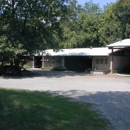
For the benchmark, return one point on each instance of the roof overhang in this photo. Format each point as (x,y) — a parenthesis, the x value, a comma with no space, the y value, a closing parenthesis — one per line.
(100,51)
(120,44)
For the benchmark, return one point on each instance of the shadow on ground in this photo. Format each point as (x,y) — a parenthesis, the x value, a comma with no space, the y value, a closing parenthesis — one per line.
(47,74)
(115,106)
(25,110)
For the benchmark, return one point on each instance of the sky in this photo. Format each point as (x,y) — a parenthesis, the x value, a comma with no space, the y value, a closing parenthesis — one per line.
(100,2)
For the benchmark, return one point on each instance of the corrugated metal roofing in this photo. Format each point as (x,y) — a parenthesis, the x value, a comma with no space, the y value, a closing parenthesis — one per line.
(101,51)
(121,44)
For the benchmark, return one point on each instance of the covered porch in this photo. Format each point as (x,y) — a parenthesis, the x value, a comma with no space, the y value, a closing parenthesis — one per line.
(121,59)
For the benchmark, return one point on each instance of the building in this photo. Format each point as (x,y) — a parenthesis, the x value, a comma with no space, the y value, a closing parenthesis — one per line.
(114,57)
(121,60)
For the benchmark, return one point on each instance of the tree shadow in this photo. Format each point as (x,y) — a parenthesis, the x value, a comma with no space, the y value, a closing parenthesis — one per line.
(57,74)
(115,106)
(47,74)
(26,110)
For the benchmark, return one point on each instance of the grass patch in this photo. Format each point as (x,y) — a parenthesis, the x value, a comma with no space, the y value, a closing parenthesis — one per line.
(25,110)
(27,66)
(47,68)
(54,68)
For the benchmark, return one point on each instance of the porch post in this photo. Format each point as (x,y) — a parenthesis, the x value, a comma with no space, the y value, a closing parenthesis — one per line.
(63,61)
(112,62)
(42,61)
(92,64)
(33,62)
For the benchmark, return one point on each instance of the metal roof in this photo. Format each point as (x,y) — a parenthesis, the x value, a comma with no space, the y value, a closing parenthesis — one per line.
(120,44)
(100,51)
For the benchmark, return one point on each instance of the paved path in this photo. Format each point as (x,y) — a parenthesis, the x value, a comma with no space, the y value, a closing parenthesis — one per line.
(110,93)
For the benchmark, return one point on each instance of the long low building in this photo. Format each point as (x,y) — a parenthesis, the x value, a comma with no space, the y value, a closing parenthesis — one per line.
(102,59)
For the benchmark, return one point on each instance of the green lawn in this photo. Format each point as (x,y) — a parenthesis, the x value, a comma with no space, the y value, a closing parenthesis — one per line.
(24,110)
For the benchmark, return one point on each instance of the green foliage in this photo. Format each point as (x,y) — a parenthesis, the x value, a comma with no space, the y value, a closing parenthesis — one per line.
(122,12)
(82,32)
(28,25)
(116,24)
(96,27)
(109,31)
(92,8)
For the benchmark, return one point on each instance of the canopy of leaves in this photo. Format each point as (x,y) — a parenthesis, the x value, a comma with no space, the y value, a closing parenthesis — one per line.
(27,25)
(83,31)
(94,26)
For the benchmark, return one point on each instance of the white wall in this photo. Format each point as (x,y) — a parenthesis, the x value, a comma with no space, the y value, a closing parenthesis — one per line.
(50,61)
(101,63)
(31,62)
(120,62)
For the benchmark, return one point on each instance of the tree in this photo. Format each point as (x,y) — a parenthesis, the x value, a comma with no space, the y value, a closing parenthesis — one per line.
(83,31)
(27,25)
(109,30)
(122,12)
(116,22)
(92,8)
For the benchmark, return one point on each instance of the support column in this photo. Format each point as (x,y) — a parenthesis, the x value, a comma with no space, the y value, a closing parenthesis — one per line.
(63,61)
(33,61)
(42,61)
(92,63)
(112,62)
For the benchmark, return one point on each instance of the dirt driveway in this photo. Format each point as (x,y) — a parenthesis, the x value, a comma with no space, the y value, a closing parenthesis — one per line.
(109,93)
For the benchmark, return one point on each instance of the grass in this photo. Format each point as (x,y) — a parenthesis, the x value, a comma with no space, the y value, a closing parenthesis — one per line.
(53,68)
(27,66)
(46,68)
(25,110)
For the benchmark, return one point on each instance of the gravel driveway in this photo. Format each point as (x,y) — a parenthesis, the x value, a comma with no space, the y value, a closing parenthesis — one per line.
(109,93)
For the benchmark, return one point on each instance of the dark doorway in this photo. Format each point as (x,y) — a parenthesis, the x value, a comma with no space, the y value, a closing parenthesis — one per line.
(38,62)
(78,63)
